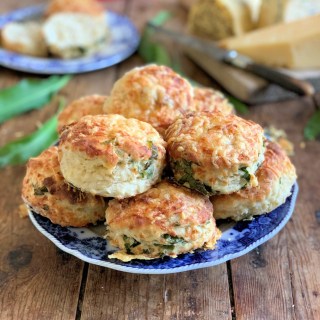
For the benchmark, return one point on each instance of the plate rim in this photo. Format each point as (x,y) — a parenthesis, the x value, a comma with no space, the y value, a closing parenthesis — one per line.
(190,267)
(96,63)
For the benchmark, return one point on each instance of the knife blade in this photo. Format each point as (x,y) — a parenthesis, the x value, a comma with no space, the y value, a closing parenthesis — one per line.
(233,58)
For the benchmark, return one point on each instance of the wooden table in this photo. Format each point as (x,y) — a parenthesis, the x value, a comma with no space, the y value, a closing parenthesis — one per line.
(278,280)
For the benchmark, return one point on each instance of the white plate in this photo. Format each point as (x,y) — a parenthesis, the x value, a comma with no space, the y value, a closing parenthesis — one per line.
(123,42)
(237,239)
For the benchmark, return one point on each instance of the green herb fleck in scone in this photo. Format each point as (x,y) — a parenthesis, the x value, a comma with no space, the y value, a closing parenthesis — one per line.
(46,191)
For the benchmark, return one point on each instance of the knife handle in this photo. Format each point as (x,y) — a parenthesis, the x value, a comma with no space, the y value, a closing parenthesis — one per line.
(298,86)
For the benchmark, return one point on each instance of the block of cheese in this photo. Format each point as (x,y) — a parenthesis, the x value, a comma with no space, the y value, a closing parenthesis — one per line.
(276,11)
(294,45)
(219,19)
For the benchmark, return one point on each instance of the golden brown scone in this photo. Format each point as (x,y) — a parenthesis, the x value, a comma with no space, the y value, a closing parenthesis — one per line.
(276,177)
(88,105)
(111,156)
(46,191)
(154,94)
(207,99)
(214,153)
(91,7)
(167,220)
(25,38)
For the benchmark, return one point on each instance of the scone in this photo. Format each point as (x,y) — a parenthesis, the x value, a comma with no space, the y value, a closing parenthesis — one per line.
(25,38)
(46,191)
(210,100)
(154,94)
(276,177)
(88,105)
(90,7)
(214,153)
(71,35)
(167,220)
(111,156)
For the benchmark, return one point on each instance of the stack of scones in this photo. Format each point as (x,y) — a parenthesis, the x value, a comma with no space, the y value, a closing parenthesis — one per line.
(159,161)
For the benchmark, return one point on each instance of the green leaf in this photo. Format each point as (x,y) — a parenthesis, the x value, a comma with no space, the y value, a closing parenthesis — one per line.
(312,128)
(238,105)
(29,94)
(173,239)
(151,51)
(20,150)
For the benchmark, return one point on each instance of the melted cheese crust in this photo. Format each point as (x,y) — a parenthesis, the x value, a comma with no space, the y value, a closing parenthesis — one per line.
(154,94)
(207,99)
(276,177)
(88,105)
(46,191)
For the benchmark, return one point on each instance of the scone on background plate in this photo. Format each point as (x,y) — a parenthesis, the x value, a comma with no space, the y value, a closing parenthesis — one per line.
(276,177)
(46,191)
(214,153)
(210,100)
(111,156)
(90,7)
(71,35)
(154,94)
(88,105)
(25,38)
(167,220)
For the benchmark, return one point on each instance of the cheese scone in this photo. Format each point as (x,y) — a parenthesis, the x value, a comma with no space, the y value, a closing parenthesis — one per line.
(111,156)
(167,220)
(276,177)
(215,153)
(25,38)
(45,190)
(90,7)
(88,105)
(72,35)
(210,100)
(154,94)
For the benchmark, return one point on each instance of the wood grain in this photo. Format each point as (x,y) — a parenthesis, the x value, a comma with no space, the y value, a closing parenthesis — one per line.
(199,294)
(280,279)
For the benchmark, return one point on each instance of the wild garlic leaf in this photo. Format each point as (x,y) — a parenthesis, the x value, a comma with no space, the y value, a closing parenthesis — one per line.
(238,105)
(312,128)
(29,94)
(20,150)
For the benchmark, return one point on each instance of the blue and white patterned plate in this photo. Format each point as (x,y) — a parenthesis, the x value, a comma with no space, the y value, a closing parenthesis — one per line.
(237,239)
(123,42)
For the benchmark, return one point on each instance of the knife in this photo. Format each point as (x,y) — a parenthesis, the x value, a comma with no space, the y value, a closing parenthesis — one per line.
(239,61)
